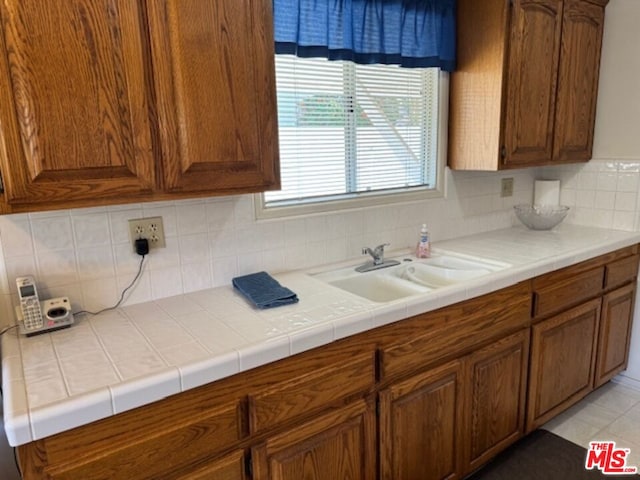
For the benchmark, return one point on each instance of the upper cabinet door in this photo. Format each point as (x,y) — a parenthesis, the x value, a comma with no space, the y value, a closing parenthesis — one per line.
(578,80)
(73,108)
(531,88)
(215,85)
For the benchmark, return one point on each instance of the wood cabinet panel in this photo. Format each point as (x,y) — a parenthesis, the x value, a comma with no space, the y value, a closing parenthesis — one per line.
(536,26)
(339,444)
(216,94)
(525,90)
(578,74)
(554,297)
(416,343)
(305,393)
(231,467)
(74,110)
(615,333)
(562,361)
(621,271)
(421,426)
(497,380)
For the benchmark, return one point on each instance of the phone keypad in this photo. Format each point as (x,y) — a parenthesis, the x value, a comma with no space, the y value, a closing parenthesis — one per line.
(32,314)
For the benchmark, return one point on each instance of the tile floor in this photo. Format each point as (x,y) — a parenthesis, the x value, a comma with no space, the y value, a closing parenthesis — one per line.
(610,413)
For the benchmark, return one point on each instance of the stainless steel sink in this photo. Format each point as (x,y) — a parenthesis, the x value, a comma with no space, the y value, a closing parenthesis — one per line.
(414,277)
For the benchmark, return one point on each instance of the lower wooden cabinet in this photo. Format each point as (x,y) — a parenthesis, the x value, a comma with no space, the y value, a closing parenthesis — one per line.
(230,467)
(496,398)
(562,361)
(421,427)
(615,333)
(339,444)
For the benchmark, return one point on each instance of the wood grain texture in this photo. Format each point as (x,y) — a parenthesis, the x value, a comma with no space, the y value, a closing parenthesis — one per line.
(215,94)
(230,467)
(74,109)
(615,333)
(432,337)
(621,271)
(310,391)
(421,425)
(554,297)
(525,90)
(147,449)
(578,74)
(496,398)
(562,361)
(339,444)
(476,86)
(532,74)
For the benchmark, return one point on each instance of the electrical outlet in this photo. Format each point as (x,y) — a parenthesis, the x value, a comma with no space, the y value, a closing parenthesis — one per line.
(507,187)
(150,228)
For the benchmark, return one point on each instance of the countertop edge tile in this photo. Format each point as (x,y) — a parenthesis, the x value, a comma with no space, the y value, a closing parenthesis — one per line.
(67,414)
(135,392)
(209,370)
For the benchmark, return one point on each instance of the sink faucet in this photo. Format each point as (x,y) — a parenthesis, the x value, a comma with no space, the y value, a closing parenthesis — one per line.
(378,259)
(377,253)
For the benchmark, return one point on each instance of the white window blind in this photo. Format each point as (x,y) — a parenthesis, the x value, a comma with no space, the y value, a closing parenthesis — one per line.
(348,129)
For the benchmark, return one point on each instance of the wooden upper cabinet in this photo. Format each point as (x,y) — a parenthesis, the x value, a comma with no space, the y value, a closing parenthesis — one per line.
(524,92)
(73,101)
(215,83)
(115,101)
(578,80)
(534,40)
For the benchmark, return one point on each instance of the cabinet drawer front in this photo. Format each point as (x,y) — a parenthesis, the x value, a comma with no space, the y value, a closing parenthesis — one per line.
(621,271)
(455,330)
(148,456)
(305,393)
(558,296)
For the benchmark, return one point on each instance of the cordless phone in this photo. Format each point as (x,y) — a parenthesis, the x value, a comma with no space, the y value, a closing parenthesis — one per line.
(29,303)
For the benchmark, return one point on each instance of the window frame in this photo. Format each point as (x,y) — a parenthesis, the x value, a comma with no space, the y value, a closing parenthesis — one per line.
(376,198)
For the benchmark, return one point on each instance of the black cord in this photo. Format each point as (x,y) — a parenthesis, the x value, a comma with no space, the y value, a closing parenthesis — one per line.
(6,329)
(121,296)
(15,459)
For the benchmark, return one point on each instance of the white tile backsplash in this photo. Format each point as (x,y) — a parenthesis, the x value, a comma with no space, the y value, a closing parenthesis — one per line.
(86,253)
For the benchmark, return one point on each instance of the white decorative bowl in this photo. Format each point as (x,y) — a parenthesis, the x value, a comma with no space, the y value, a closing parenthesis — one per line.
(541,217)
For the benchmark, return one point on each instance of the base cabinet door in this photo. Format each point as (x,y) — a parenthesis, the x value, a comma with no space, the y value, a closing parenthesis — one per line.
(336,445)
(615,333)
(562,361)
(497,379)
(230,467)
(420,426)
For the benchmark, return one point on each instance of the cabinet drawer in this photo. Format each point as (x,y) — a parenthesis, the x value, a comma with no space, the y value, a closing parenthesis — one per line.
(310,391)
(453,331)
(553,297)
(621,271)
(146,451)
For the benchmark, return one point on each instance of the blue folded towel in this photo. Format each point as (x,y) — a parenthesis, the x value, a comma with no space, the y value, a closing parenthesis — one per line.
(263,290)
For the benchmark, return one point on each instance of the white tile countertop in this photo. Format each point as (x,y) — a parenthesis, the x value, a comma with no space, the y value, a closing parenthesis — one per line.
(123,359)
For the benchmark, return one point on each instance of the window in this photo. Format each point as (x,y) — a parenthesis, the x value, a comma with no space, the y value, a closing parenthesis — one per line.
(349,132)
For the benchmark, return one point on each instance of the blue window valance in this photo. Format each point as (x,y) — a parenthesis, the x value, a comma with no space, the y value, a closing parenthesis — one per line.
(410,33)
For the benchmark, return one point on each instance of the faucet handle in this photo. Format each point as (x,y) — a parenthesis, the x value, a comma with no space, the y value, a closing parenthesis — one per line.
(380,248)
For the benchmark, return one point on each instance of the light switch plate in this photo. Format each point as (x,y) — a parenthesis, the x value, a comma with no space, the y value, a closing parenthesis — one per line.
(506,189)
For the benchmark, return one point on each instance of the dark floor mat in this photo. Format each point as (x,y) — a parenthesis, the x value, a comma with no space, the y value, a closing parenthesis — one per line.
(541,456)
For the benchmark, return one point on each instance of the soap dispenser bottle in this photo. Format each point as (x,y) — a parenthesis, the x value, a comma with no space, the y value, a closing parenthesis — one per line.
(423,249)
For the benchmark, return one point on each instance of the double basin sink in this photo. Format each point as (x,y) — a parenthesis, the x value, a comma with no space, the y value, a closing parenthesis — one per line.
(411,277)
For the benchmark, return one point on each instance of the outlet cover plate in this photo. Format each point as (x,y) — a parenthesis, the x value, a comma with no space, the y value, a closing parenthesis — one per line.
(506,189)
(150,228)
